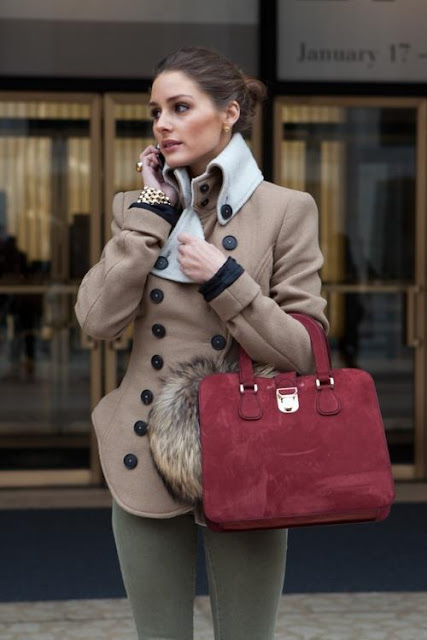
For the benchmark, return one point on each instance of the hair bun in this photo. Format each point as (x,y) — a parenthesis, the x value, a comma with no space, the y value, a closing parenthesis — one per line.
(256,90)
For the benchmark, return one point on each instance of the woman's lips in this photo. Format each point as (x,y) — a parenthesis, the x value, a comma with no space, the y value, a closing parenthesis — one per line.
(170,146)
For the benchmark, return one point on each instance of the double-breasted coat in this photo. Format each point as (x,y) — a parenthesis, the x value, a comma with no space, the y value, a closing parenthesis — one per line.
(274,237)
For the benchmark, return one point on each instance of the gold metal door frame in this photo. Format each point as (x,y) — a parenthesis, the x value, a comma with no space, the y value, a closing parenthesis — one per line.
(416,293)
(92,475)
(110,102)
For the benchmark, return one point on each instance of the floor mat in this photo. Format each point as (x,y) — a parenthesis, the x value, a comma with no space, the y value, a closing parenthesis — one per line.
(65,554)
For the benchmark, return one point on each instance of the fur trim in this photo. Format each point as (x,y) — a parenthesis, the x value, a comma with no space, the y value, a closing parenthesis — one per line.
(173,426)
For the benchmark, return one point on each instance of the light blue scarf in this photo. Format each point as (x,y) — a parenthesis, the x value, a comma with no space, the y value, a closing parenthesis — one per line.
(240,177)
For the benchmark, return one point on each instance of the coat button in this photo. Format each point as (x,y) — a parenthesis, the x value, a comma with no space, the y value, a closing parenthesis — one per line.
(204,202)
(157,362)
(130,461)
(218,342)
(147,396)
(140,428)
(204,188)
(156,295)
(158,330)
(226,211)
(229,243)
(161,263)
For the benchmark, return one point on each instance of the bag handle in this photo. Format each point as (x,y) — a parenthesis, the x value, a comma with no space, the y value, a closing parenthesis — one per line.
(320,347)
(321,353)
(327,403)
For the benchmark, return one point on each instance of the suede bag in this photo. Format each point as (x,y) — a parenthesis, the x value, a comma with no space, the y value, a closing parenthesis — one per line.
(293,450)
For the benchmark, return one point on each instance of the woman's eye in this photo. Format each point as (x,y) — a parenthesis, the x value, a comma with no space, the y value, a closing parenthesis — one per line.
(180,107)
(154,114)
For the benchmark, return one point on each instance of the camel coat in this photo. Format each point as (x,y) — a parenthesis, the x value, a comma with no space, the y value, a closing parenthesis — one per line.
(276,242)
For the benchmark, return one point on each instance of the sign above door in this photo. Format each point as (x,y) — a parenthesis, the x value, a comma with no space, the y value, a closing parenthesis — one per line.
(352,40)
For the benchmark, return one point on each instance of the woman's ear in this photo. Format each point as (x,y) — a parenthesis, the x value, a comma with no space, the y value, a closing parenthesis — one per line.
(232,113)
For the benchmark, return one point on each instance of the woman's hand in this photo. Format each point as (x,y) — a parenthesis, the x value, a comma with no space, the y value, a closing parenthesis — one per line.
(198,259)
(152,175)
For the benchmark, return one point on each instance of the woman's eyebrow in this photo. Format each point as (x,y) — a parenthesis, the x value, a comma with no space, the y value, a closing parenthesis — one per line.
(172,98)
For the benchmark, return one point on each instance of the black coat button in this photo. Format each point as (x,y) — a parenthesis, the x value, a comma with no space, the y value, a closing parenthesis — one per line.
(226,211)
(157,362)
(161,263)
(140,428)
(229,242)
(158,330)
(130,461)
(218,342)
(204,188)
(156,295)
(147,396)
(204,202)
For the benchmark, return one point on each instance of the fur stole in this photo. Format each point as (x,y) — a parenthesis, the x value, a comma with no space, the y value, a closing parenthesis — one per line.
(173,426)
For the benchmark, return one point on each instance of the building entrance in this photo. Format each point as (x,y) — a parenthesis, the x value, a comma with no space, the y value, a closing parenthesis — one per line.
(62,158)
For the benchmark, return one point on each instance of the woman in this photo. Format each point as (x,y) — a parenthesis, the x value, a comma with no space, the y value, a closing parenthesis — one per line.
(209,255)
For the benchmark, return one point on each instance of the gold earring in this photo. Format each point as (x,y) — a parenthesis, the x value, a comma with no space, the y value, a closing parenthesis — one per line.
(226,128)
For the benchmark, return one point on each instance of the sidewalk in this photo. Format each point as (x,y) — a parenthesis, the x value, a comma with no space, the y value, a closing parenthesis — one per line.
(354,616)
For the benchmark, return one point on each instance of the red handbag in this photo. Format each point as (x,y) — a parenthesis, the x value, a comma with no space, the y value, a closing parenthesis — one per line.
(293,450)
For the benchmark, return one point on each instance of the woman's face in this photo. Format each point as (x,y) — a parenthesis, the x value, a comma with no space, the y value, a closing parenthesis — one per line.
(186,122)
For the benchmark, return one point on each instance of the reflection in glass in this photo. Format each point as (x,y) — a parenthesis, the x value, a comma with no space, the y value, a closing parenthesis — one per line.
(371,337)
(359,163)
(133,133)
(45,208)
(45,382)
(45,184)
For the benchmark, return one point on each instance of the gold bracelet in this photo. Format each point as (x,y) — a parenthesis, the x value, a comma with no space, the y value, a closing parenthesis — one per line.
(153,196)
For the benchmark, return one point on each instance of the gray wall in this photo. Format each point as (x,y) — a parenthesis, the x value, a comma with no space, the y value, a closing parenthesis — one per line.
(119,39)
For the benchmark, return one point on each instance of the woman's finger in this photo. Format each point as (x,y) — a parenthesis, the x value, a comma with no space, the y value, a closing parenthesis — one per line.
(151,149)
(185,238)
(149,157)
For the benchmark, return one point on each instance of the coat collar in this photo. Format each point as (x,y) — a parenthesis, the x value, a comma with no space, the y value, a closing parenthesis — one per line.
(240,177)
(234,174)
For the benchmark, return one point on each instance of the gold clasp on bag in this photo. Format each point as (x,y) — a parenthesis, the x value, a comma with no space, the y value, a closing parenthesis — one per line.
(287,399)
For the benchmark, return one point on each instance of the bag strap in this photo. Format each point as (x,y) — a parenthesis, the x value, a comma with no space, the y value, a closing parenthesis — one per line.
(246,369)
(319,345)
(249,405)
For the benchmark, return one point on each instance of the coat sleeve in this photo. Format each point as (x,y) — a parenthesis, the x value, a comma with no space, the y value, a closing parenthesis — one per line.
(260,323)
(110,293)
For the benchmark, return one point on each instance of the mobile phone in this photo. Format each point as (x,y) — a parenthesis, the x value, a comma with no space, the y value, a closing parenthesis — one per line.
(161,157)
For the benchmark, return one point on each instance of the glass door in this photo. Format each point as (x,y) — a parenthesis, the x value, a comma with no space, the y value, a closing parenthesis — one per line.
(49,236)
(364,162)
(51,232)
(127,131)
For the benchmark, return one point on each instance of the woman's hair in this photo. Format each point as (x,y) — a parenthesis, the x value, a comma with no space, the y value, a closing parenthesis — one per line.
(220,78)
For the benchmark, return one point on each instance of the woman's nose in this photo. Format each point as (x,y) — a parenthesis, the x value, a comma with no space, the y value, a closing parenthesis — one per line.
(163,123)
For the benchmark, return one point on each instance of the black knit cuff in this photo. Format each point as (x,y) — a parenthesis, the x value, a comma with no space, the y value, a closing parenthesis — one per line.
(165,211)
(226,275)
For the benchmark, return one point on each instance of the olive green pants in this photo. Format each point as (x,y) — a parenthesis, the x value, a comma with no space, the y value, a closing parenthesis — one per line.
(158,563)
